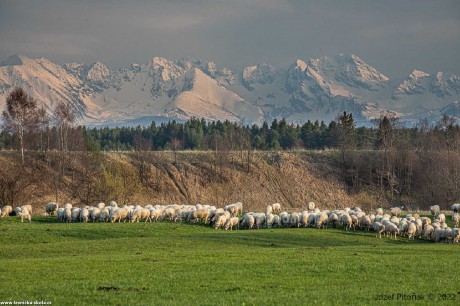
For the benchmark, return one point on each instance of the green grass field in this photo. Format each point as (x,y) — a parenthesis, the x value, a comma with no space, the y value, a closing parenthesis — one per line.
(184,264)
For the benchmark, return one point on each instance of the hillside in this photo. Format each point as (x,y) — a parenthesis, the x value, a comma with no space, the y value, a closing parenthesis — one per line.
(197,177)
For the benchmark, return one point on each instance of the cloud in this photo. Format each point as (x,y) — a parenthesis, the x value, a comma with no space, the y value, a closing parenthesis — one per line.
(235,33)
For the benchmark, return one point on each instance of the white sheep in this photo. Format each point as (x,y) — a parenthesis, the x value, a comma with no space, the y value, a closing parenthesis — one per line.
(333,219)
(294,220)
(75,213)
(232,209)
(247,221)
(310,206)
(411,231)
(220,222)
(95,214)
(27,207)
(366,223)
(67,215)
(395,211)
(435,210)
(441,218)
(51,208)
(67,205)
(270,219)
(321,220)
(284,219)
(379,228)
(25,215)
(303,218)
(455,218)
(455,207)
(346,221)
(84,215)
(6,210)
(232,222)
(428,232)
(268,209)
(379,211)
(276,208)
(391,229)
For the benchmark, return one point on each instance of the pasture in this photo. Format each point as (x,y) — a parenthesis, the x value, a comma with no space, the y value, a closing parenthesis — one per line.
(187,264)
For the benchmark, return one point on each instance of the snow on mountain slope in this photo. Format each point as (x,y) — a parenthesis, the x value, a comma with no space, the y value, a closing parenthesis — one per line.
(48,83)
(306,90)
(206,98)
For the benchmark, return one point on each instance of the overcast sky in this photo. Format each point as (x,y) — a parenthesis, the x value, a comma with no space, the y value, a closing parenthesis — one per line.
(394,36)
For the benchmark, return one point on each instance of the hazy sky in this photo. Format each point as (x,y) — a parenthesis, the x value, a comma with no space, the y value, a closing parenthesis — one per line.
(394,36)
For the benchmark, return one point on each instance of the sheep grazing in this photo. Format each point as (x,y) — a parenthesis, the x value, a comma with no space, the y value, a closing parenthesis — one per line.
(84,215)
(294,220)
(456,218)
(118,215)
(231,223)
(411,231)
(333,219)
(428,232)
(6,210)
(379,228)
(25,215)
(248,221)
(284,219)
(27,207)
(391,229)
(310,206)
(276,208)
(270,219)
(346,221)
(303,219)
(366,223)
(75,213)
(259,220)
(321,220)
(379,212)
(441,218)
(232,209)
(455,207)
(435,210)
(51,208)
(67,215)
(199,215)
(396,211)
(268,209)
(220,222)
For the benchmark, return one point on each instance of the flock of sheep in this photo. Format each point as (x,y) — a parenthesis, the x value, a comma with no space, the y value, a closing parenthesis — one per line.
(232,217)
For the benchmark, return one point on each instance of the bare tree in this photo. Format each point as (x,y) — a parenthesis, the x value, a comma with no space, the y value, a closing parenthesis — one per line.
(65,118)
(21,116)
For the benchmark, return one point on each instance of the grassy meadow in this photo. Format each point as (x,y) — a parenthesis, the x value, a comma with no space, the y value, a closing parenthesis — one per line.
(187,264)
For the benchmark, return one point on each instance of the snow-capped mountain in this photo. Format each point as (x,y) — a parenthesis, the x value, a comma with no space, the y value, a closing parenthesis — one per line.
(313,89)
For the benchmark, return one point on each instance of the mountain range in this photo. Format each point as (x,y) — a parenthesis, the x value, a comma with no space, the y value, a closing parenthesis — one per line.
(316,89)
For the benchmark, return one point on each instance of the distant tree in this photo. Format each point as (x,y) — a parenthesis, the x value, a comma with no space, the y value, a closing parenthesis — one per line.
(21,116)
(346,133)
